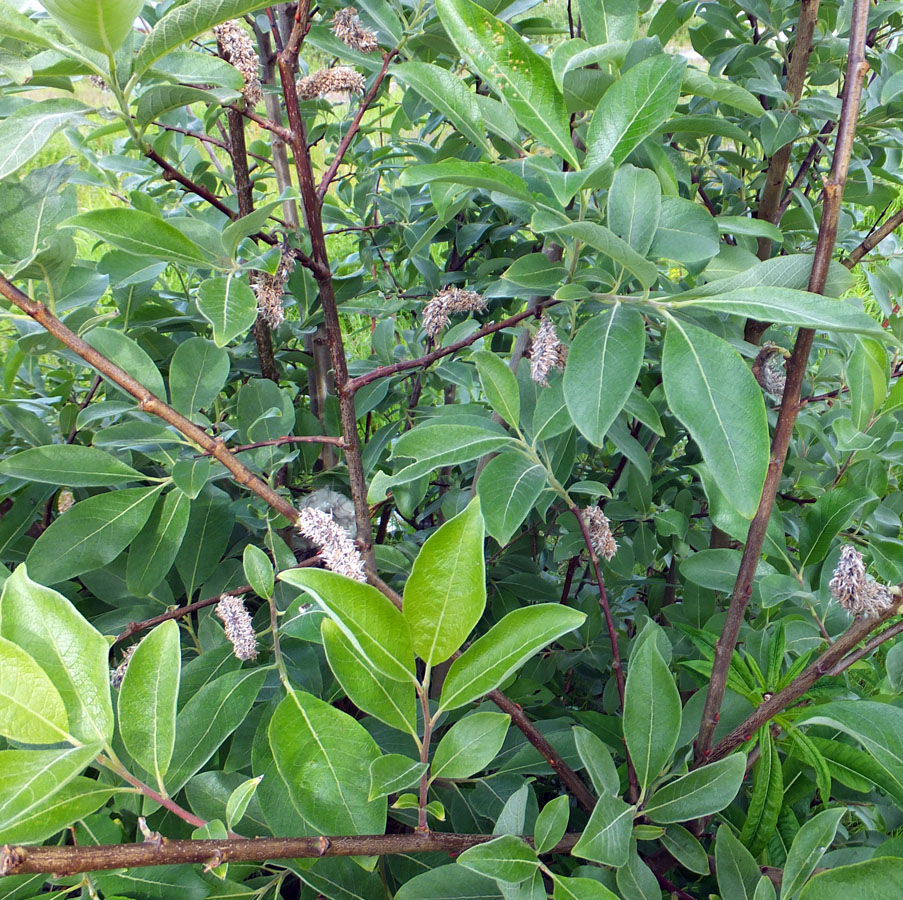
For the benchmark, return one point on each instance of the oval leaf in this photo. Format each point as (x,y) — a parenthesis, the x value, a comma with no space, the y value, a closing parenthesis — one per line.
(69,464)
(703,792)
(229,305)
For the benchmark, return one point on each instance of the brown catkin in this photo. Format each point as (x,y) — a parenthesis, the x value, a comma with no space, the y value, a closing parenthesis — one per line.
(239,51)
(338,82)
(600,535)
(854,590)
(346,26)
(449,300)
(546,352)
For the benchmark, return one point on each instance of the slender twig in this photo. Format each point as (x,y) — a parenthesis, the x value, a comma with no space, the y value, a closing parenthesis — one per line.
(69,860)
(353,129)
(290,439)
(824,665)
(815,151)
(280,131)
(95,384)
(874,238)
(796,369)
(207,139)
(867,649)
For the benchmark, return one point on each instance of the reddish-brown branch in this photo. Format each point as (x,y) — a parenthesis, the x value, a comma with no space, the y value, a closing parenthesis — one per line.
(824,665)
(290,439)
(815,151)
(65,860)
(280,131)
(796,369)
(353,129)
(867,649)
(355,384)
(873,239)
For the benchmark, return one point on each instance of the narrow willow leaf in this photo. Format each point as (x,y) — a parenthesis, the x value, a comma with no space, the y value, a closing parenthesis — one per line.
(606,837)
(469,745)
(67,647)
(495,51)
(828,516)
(602,368)
(91,534)
(508,487)
(652,712)
(737,870)
(808,847)
(686,849)
(486,176)
(767,796)
(551,823)
(148,699)
(715,396)
(325,757)
(445,595)
(229,305)
(596,757)
(700,793)
(633,108)
(239,800)
(69,464)
(259,571)
(499,385)
(500,652)
(154,550)
(163,97)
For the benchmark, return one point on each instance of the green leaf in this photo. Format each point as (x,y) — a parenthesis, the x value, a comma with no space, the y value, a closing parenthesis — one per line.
(31,708)
(701,84)
(154,550)
(613,20)
(69,464)
(506,858)
(153,883)
(229,305)
(499,385)
(635,880)
(451,882)
(635,206)
(324,756)
(129,356)
(91,534)
(197,373)
(609,244)
(767,796)
(737,870)
(187,21)
(445,594)
(825,518)
(469,745)
(633,108)
(602,368)
(25,132)
(447,93)
(686,232)
(20,27)
(808,847)
(161,98)
(485,176)
(102,25)
(652,712)
(239,800)
(394,773)
(500,652)
(700,793)
(717,569)
(508,487)
(551,823)
(686,849)
(210,524)
(208,718)
(785,306)
(577,53)
(581,889)
(259,571)
(866,375)
(606,837)
(883,876)
(498,54)
(390,701)
(366,616)
(715,396)
(67,647)
(596,757)
(148,699)
(140,233)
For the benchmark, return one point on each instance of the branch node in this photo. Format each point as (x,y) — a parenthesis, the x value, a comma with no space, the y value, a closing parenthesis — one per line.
(323,844)
(11,858)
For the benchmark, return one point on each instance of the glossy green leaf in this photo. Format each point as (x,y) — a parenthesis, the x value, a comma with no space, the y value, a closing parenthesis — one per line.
(829,515)
(652,712)
(701,84)
(551,823)
(208,718)
(148,698)
(197,373)
(377,630)
(161,98)
(635,880)
(602,368)
(577,888)
(393,773)
(239,800)
(447,93)
(129,356)
(324,756)
(102,25)
(154,550)
(25,132)
(445,594)
(606,837)
(613,20)
(485,176)
(229,305)
(686,232)
(506,858)
(508,487)
(469,745)
(259,571)
(715,396)
(69,464)
(635,206)
(633,108)
(700,793)
(596,757)
(808,847)
(767,796)
(449,882)
(499,385)
(686,849)
(210,524)
(91,534)
(498,54)
(490,659)
(883,876)
(67,647)
(140,233)
(737,870)
(31,708)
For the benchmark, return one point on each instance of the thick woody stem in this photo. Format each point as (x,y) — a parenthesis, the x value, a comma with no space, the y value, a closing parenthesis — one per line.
(68,860)
(796,369)
(824,665)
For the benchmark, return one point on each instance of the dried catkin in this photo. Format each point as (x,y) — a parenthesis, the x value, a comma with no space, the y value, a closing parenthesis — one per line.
(338,82)
(546,352)
(346,26)
(237,624)
(239,51)
(600,535)
(118,673)
(854,590)
(449,300)
(269,290)
(337,549)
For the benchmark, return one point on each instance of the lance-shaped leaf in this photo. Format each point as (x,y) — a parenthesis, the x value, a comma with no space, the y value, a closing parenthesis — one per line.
(155,548)
(469,745)
(498,54)
(703,792)
(808,847)
(69,464)
(714,394)
(486,176)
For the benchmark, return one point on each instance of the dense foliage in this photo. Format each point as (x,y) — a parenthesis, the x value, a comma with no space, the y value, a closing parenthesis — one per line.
(460,439)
